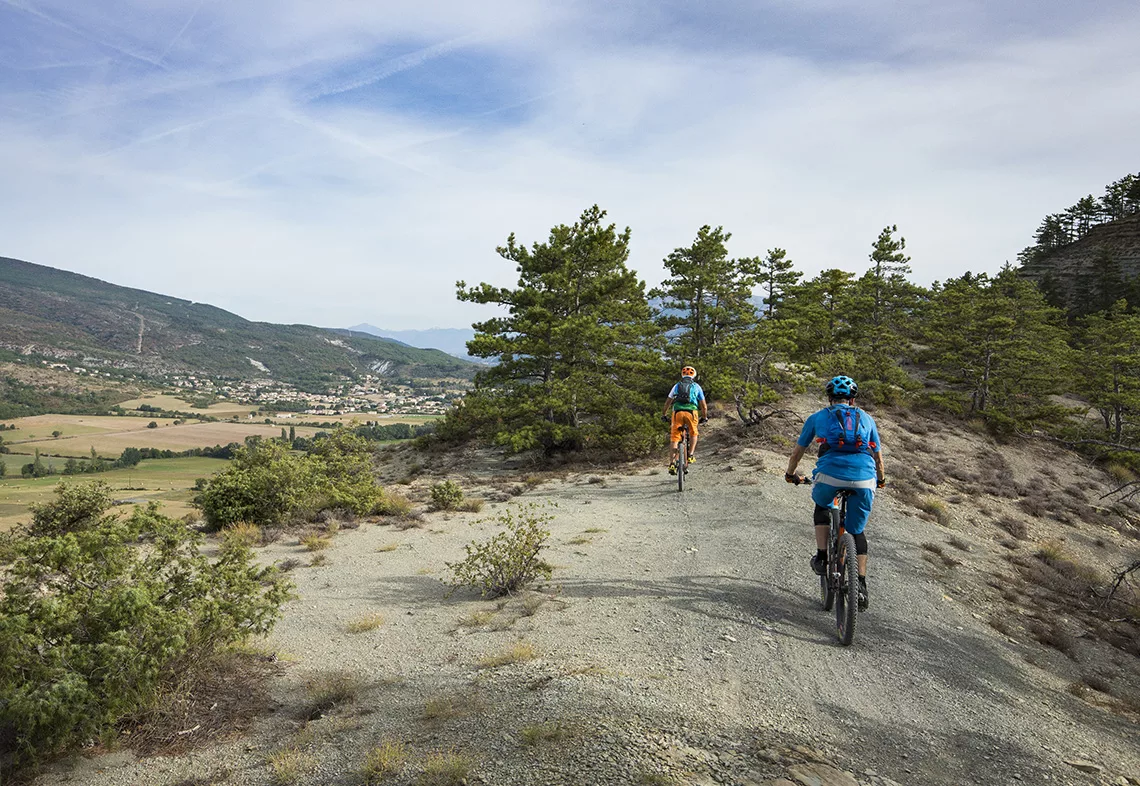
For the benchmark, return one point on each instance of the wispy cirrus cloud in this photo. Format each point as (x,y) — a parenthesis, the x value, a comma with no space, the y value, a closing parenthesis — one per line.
(348,162)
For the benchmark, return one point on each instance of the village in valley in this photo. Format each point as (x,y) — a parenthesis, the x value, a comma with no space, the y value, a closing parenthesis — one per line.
(367,395)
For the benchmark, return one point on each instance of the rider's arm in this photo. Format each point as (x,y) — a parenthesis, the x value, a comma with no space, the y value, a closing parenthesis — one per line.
(794,461)
(879,471)
(704,408)
(668,406)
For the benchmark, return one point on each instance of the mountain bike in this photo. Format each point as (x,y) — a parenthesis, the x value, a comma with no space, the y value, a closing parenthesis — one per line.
(839,586)
(683,457)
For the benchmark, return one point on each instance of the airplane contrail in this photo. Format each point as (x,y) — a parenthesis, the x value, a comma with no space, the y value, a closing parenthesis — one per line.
(384,70)
(178,35)
(22,5)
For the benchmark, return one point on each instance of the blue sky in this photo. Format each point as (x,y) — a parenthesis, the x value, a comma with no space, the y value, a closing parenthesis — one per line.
(343,162)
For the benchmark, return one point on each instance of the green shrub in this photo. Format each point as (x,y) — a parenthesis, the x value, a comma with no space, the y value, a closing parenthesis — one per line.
(77,506)
(267,484)
(509,561)
(91,624)
(446,495)
(262,484)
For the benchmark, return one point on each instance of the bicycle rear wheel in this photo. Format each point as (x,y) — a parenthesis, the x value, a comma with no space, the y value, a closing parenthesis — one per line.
(683,461)
(847,598)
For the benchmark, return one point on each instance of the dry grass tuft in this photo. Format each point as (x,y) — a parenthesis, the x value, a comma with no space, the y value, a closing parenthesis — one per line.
(537,734)
(383,762)
(518,653)
(289,765)
(958,543)
(471,505)
(579,541)
(324,692)
(318,560)
(936,508)
(366,623)
(449,768)
(1056,637)
(476,619)
(1016,527)
(393,504)
(443,708)
(242,532)
(388,547)
(315,541)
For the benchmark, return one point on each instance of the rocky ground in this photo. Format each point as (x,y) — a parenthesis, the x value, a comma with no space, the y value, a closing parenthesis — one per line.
(681,640)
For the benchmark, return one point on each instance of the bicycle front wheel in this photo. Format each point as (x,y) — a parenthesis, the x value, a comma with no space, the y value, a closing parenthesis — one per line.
(826,584)
(847,598)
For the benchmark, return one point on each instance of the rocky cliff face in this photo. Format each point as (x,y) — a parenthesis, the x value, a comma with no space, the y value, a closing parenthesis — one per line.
(1109,252)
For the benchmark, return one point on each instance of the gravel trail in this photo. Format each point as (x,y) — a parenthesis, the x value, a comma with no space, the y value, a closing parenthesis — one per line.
(684,640)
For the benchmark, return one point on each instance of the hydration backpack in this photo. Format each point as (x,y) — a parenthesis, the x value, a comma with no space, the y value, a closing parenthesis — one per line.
(685,391)
(845,431)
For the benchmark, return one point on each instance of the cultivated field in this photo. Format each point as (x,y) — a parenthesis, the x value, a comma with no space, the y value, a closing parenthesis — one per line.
(170,481)
(110,435)
(223,409)
(40,427)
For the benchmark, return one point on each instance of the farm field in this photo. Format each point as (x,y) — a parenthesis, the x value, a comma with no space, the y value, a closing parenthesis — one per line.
(222,409)
(169,481)
(110,444)
(40,427)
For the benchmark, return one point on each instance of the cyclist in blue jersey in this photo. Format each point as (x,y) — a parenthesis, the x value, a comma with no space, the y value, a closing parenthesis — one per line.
(850,457)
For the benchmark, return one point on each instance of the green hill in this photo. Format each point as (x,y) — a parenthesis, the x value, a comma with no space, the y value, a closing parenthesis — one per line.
(83,320)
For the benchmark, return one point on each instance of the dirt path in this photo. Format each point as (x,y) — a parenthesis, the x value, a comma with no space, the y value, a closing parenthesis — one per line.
(684,640)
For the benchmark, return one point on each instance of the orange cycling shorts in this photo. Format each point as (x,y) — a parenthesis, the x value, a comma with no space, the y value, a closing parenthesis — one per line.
(682,417)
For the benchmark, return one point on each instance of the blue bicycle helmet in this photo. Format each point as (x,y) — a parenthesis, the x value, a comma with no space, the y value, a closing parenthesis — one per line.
(842,387)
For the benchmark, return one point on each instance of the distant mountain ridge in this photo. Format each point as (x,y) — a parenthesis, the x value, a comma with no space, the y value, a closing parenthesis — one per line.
(56,313)
(453,341)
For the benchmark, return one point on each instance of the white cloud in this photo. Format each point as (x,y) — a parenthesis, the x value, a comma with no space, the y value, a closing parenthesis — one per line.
(219,180)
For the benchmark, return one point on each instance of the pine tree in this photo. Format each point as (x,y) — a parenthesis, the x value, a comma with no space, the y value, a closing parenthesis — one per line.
(882,305)
(1109,348)
(777,277)
(576,350)
(705,300)
(753,361)
(1000,346)
(820,308)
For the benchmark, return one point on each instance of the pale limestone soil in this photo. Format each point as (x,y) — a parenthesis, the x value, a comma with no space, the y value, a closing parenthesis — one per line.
(685,639)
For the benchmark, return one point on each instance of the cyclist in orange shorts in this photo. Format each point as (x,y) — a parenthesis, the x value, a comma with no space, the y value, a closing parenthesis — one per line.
(685,400)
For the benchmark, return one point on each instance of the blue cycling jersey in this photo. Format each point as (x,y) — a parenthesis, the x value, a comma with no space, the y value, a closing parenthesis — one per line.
(843,466)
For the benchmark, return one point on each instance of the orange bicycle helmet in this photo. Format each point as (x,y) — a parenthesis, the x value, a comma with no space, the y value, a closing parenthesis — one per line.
(688,371)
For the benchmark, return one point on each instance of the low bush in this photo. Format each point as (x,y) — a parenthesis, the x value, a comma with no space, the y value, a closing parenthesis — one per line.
(446,495)
(267,484)
(510,561)
(91,624)
(1016,527)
